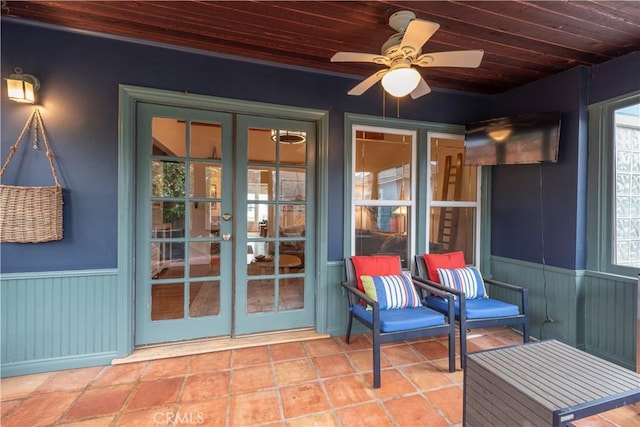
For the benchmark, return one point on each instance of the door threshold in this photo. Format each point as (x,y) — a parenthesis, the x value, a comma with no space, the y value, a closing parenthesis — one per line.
(209,345)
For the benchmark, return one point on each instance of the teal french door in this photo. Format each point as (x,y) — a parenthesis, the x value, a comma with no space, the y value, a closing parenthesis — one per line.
(274,287)
(222,224)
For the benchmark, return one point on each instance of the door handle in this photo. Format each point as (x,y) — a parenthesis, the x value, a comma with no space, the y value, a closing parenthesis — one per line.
(226,236)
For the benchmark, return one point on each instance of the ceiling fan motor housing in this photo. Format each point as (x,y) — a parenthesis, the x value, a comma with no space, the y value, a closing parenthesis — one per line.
(400,20)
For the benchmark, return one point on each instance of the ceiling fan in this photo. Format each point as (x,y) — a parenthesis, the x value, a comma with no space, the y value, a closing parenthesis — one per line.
(403,50)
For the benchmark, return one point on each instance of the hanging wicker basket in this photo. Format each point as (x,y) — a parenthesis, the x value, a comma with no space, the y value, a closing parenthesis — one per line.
(31,214)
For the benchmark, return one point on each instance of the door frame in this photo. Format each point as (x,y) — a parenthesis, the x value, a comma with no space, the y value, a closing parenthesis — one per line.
(129,96)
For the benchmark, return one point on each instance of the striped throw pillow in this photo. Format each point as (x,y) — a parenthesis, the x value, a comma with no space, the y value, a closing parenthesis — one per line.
(467,280)
(391,292)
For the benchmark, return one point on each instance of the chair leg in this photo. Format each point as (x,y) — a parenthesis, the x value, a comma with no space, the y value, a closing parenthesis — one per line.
(376,361)
(525,332)
(348,336)
(452,351)
(463,346)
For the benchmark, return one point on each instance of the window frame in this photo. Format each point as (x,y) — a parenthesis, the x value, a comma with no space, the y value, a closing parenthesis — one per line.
(601,186)
(409,203)
(476,204)
(420,182)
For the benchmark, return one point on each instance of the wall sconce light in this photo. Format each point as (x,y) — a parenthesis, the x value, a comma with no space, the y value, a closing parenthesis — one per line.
(401,81)
(22,87)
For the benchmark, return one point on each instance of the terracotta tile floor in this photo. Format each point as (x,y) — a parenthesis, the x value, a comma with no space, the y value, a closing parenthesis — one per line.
(313,383)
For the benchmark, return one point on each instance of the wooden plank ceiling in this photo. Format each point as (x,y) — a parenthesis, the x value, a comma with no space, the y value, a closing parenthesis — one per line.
(523,40)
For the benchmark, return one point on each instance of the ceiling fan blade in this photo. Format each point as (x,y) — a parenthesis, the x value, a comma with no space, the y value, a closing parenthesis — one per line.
(458,58)
(422,89)
(364,85)
(360,57)
(417,34)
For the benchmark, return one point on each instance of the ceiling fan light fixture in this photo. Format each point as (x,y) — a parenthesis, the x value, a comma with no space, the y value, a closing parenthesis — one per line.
(401,81)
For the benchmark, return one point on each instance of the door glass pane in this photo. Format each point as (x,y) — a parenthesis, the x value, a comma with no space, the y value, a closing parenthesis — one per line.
(292,220)
(261,148)
(260,182)
(200,259)
(168,178)
(167,301)
(167,258)
(204,219)
(167,219)
(291,294)
(204,299)
(169,137)
(260,296)
(205,180)
(292,185)
(450,179)
(293,146)
(261,264)
(453,229)
(206,140)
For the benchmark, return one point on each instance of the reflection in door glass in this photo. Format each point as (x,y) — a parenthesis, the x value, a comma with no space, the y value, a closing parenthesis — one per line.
(204,299)
(167,301)
(260,296)
(291,294)
(186,181)
(293,146)
(168,178)
(276,219)
(206,140)
(261,148)
(202,261)
(169,137)
(292,185)
(168,219)
(204,180)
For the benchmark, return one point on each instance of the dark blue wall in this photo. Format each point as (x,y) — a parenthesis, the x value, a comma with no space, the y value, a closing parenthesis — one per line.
(80,74)
(615,78)
(527,215)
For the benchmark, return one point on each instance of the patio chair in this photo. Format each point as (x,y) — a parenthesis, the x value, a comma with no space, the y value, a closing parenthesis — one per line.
(473,307)
(389,303)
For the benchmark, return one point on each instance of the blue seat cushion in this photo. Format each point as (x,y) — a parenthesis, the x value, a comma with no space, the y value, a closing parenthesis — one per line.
(478,308)
(402,318)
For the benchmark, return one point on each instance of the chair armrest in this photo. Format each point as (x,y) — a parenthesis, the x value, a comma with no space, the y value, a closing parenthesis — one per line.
(440,291)
(507,286)
(438,286)
(357,292)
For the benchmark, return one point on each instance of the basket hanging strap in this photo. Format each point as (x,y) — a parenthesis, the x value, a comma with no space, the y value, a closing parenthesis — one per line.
(35,116)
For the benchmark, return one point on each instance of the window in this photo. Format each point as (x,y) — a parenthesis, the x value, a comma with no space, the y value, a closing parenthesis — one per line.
(382,192)
(454,202)
(614,186)
(626,226)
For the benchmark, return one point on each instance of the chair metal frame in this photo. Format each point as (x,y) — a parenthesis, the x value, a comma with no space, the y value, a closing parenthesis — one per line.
(355,296)
(466,324)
